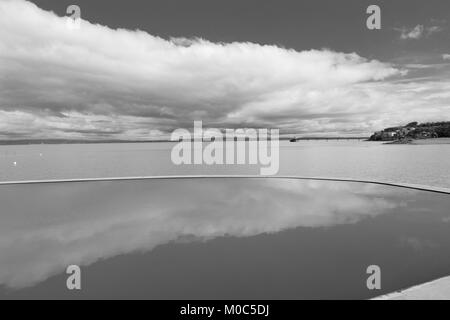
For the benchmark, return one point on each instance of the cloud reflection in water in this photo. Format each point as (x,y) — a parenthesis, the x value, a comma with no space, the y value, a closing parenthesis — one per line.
(46,227)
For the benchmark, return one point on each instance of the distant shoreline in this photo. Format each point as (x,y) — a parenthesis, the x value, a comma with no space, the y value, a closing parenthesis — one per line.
(430,141)
(48,142)
(63,141)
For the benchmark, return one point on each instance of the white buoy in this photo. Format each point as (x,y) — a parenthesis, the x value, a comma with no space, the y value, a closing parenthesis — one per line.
(15,163)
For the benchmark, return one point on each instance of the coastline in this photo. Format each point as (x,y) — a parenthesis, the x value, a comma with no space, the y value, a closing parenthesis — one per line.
(111,141)
(430,141)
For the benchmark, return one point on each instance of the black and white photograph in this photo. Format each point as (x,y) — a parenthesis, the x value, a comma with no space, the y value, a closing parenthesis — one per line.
(212,153)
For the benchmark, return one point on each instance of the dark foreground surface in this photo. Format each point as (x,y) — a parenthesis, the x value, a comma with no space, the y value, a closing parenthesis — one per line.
(219,239)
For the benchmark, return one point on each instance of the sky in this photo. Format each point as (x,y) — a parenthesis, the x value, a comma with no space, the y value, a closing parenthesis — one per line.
(138,70)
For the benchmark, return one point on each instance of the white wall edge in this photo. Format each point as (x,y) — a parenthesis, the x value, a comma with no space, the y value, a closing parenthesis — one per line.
(130,178)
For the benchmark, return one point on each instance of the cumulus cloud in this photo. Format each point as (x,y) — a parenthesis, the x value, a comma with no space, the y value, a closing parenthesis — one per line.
(418,31)
(94,225)
(415,33)
(96,82)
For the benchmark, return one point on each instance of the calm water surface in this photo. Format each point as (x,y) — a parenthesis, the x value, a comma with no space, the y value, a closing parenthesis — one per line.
(417,164)
(219,238)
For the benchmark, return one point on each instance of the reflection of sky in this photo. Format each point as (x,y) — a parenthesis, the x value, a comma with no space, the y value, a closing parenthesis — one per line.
(45,228)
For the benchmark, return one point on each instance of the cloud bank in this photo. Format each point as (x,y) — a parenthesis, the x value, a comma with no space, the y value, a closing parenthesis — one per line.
(97,82)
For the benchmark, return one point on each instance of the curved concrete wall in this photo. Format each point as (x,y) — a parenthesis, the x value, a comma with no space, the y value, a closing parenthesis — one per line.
(385,183)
